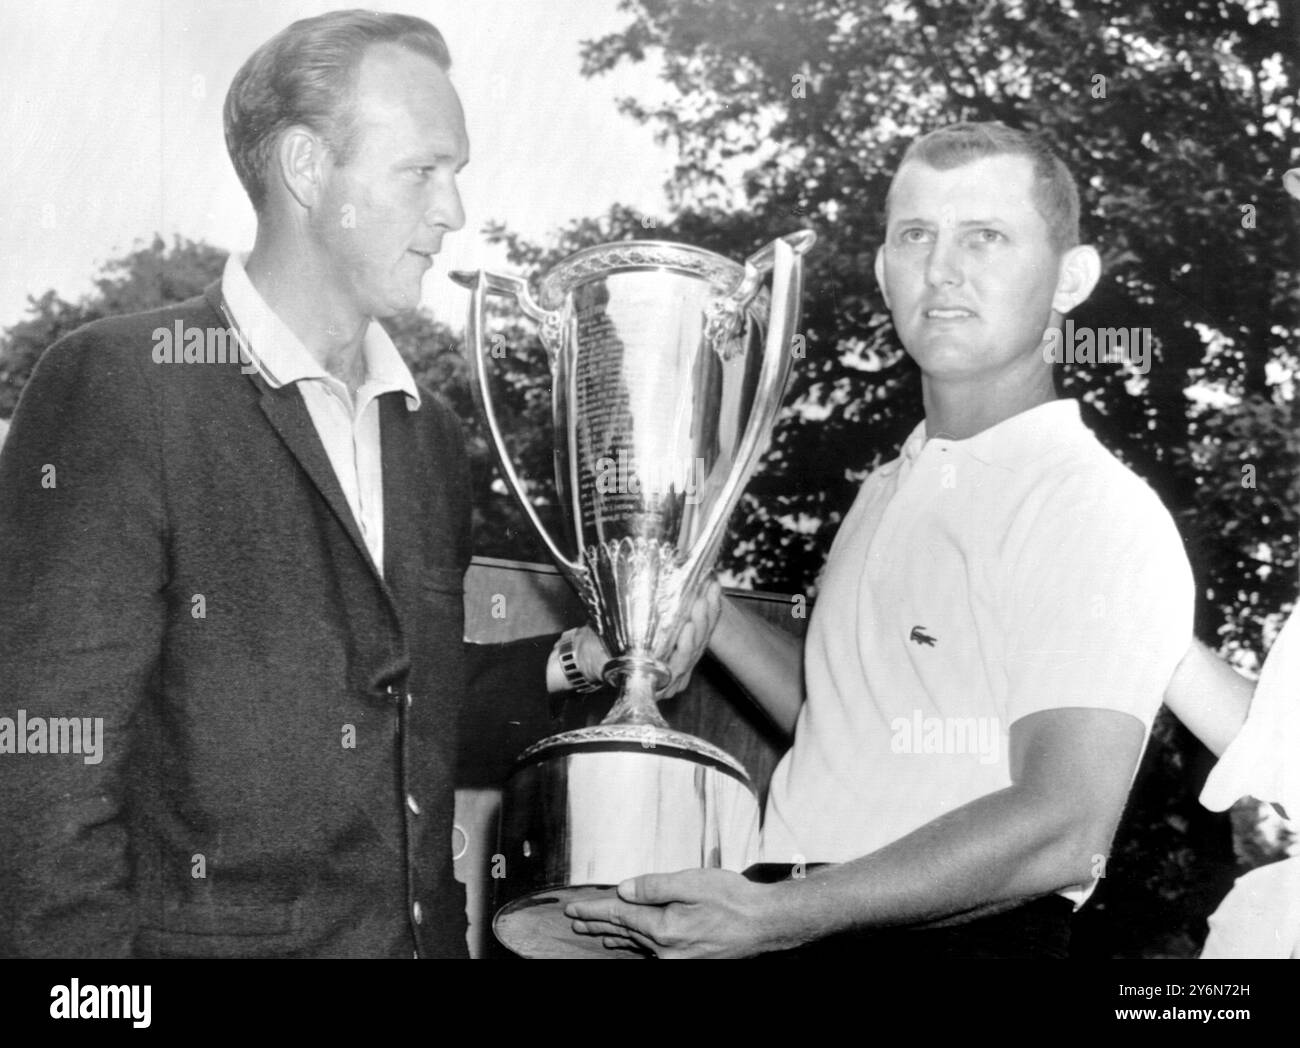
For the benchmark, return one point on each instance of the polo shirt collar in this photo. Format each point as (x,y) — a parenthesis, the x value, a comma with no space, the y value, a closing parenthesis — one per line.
(907,454)
(1024,437)
(280,356)
(1010,443)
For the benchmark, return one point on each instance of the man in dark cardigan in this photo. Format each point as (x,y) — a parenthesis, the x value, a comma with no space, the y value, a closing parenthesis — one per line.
(233,536)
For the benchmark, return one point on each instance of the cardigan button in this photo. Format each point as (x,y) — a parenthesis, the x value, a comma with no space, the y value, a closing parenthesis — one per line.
(417,912)
(410,803)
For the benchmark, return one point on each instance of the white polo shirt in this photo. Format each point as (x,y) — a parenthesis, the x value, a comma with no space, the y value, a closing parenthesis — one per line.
(973,582)
(348,429)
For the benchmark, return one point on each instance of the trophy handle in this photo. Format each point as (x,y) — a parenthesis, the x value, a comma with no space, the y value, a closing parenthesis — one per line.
(480,285)
(760,263)
(784,258)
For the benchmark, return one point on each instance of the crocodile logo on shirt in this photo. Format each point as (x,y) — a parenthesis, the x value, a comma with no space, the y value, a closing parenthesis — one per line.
(919,636)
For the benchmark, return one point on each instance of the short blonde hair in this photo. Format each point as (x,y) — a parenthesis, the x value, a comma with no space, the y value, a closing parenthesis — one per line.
(1055,195)
(305,74)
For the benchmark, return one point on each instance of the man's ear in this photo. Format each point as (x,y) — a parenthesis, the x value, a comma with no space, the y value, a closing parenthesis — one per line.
(880,274)
(300,158)
(1079,271)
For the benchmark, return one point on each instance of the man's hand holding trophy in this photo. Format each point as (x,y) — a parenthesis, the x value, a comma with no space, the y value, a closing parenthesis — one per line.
(592,657)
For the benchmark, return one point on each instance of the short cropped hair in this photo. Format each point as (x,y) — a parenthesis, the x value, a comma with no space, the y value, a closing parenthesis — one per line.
(306,74)
(1054,193)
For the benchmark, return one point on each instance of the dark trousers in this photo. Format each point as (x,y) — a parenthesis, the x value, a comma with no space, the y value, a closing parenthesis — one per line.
(1037,929)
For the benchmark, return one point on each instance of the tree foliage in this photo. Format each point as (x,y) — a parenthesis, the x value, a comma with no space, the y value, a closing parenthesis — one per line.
(147,277)
(1178,119)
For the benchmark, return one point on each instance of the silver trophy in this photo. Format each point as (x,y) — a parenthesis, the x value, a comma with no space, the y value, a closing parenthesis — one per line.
(669,365)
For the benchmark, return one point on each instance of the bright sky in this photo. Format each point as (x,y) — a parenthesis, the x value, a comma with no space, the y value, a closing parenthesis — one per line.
(110,115)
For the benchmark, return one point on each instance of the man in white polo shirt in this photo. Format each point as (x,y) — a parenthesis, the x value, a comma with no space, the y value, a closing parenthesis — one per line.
(998,617)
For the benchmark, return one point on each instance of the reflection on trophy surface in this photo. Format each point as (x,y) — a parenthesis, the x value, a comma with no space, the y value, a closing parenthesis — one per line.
(669,364)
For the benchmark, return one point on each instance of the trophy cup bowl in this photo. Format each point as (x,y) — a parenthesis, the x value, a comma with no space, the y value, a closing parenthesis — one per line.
(669,363)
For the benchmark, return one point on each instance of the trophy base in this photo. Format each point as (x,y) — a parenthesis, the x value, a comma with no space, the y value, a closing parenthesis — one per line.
(535,926)
(587,809)
(630,737)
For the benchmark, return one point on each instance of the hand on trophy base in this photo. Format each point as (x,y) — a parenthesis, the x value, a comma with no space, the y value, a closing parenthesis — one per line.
(699,913)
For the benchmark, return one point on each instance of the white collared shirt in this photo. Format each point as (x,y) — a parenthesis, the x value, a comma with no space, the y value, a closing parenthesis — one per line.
(348,429)
(973,582)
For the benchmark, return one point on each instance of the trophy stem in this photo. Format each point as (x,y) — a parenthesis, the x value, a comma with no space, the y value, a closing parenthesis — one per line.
(640,679)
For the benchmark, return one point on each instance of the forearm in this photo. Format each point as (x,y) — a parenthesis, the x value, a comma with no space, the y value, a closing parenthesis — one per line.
(1209,697)
(765,660)
(999,849)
